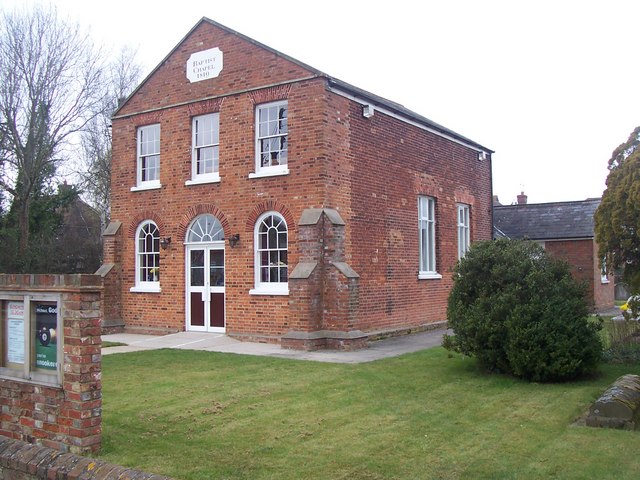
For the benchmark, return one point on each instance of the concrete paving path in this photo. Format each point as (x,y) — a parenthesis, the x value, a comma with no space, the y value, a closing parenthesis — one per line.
(216,342)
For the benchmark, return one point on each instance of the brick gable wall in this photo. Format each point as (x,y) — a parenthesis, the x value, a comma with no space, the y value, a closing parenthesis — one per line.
(246,67)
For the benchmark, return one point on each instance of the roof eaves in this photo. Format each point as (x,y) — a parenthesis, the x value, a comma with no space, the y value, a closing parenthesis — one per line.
(548,204)
(401,110)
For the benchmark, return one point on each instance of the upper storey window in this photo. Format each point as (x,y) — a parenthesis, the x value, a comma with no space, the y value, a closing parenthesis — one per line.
(464,236)
(148,175)
(272,132)
(205,162)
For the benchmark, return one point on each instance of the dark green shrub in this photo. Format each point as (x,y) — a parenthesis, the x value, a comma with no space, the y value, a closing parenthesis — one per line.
(520,311)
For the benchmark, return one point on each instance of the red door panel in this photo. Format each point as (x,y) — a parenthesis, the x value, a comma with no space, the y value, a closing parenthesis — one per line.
(217,309)
(197,309)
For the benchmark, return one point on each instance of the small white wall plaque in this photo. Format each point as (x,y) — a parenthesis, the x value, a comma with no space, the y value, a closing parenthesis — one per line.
(204,65)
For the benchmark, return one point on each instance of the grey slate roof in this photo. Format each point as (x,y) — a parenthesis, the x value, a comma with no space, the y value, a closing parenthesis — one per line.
(546,221)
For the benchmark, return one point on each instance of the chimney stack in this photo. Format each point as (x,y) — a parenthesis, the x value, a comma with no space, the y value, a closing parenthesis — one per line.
(522,199)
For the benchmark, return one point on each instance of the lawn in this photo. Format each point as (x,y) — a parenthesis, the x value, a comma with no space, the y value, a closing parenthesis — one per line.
(201,415)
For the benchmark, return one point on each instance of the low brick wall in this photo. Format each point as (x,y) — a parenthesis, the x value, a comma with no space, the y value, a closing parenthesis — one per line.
(24,461)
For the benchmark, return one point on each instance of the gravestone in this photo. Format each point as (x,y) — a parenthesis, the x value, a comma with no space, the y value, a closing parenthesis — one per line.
(618,406)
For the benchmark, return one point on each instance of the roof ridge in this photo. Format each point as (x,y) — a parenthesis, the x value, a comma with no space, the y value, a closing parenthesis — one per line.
(542,204)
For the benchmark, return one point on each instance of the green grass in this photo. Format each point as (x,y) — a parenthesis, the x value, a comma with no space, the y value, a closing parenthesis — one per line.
(201,415)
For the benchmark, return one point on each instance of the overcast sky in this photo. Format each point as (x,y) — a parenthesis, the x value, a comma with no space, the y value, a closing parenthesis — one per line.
(551,86)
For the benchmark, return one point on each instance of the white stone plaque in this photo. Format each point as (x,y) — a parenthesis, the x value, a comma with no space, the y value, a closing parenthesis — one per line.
(15,336)
(204,65)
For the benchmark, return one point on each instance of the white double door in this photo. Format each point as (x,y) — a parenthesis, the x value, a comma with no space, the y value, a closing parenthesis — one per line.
(205,287)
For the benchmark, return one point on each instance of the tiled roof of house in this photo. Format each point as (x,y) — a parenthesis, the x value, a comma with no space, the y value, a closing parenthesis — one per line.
(546,221)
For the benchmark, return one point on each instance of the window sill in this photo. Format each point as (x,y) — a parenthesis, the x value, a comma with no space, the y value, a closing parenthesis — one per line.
(46,380)
(203,180)
(429,276)
(269,173)
(269,291)
(146,289)
(144,186)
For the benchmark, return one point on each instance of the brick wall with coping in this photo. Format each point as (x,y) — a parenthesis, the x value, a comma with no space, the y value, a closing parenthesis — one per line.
(65,417)
(24,461)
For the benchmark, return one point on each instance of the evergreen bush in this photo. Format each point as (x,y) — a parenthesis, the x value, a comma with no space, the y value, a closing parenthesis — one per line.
(521,312)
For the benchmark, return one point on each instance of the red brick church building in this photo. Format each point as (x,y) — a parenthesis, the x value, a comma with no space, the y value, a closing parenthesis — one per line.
(257,196)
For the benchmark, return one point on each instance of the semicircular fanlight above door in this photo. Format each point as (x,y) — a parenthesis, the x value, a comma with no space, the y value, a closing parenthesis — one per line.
(204,229)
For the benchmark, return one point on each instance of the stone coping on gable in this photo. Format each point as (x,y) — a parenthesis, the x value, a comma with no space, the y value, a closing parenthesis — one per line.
(303,270)
(311,216)
(111,229)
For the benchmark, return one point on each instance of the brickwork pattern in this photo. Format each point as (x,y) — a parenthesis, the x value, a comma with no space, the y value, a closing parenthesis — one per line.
(306,300)
(394,163)
(68,417)
(582,256)
(604,293)
(112,279)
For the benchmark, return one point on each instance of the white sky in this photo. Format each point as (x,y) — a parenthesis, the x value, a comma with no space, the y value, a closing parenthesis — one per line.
(552,86)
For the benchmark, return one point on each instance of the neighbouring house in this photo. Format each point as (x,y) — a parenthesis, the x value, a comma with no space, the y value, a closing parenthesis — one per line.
(78,245)
(565,230)
(66,235)
(257,196)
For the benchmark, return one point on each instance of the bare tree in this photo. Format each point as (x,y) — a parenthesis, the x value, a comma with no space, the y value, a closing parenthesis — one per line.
(50,79)
(122,76)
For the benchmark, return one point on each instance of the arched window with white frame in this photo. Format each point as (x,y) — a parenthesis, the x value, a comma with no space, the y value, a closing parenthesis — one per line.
(271,245)
(147,258)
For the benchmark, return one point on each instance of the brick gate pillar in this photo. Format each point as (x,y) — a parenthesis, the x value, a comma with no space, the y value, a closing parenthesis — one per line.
(57,404)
